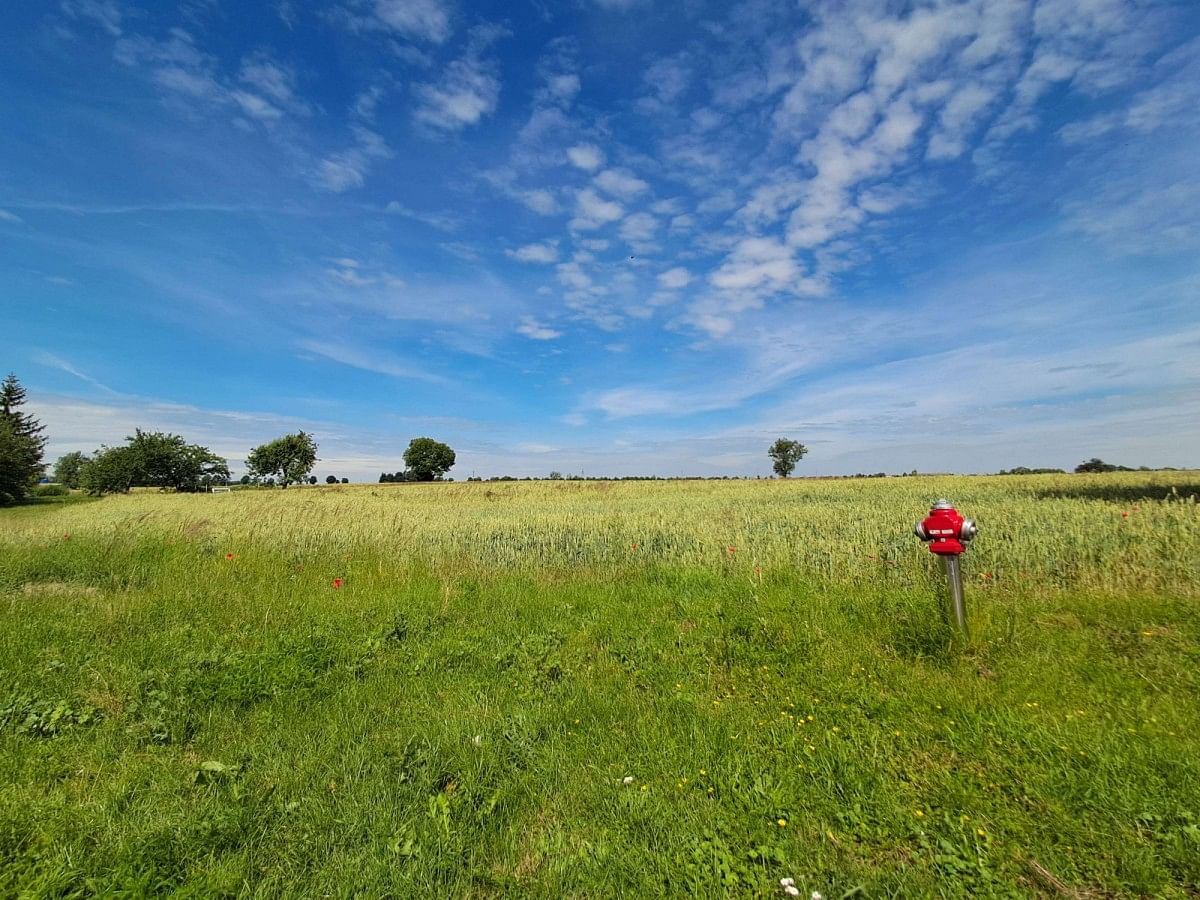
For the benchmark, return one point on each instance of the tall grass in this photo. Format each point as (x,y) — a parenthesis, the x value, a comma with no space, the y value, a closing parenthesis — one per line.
(1110,533)
(442,690)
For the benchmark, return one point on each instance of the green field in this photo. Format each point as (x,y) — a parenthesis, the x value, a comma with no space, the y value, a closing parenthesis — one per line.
(601,689)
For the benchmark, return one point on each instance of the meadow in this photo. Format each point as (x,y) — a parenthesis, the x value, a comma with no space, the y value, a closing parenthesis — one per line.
(600,689)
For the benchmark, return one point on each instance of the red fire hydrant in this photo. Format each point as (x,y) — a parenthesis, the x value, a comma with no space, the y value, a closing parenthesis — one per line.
(947,533)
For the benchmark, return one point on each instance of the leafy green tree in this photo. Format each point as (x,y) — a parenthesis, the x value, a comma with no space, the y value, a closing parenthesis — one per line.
(345,481)
(69,467)
(428,459)
(153,459)
(245,479)
(112,470)
(786,453)
(290,457)
(22,443)
(167,461)
(331,479)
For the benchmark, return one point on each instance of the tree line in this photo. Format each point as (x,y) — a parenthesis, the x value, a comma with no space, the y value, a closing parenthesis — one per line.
(167,461)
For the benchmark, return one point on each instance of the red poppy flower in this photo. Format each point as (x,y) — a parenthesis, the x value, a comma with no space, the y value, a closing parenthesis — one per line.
(229,556)
(337,582)
(731,549)
(1124,515)
(633,546)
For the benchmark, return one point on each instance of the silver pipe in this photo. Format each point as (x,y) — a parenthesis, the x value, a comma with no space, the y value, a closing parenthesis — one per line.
(958,606)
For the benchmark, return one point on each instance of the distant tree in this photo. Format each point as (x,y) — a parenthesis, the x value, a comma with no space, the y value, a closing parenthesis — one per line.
(427,459)
(786,453)
(555,476)
(69,467)
(290,457)
(168,462)
(112,470)
(245,479)
(153,459)
(22,442)
(345,481)
(331,479)
(1095,465)
(312,479)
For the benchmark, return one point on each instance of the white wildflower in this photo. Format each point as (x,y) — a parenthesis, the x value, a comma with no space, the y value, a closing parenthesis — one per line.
(792,891)
(786,882)
(628,779)
(817,895)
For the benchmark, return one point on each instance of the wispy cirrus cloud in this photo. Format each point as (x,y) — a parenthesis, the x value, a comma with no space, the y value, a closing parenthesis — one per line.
(369,359)
(54,361)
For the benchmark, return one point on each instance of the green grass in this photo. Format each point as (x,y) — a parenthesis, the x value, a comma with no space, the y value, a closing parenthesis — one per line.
(172,720)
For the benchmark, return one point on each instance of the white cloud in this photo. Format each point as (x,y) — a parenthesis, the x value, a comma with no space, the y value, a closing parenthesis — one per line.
(541,201)
(427,20)
(255,106)
(546,252)
(959,114)
(675,279)
(467,92)
(666,80)
(588,157)
(535,331)
(756,263)
(271,79)
(6,216)
(571,274)
(440,221)
(620,183)
(104,13)
(592,211)
(563,88)
(639,227)
(348,168)
(468,89)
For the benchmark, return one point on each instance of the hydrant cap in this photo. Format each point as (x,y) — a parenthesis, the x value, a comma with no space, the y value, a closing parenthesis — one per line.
(942,504)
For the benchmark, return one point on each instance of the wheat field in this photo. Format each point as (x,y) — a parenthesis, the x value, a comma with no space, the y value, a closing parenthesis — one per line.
(602,689)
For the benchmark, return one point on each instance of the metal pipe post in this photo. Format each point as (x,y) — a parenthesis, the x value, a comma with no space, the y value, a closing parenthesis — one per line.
(958,606)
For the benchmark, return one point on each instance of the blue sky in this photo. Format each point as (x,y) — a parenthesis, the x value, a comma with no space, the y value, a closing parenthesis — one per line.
(609,236)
